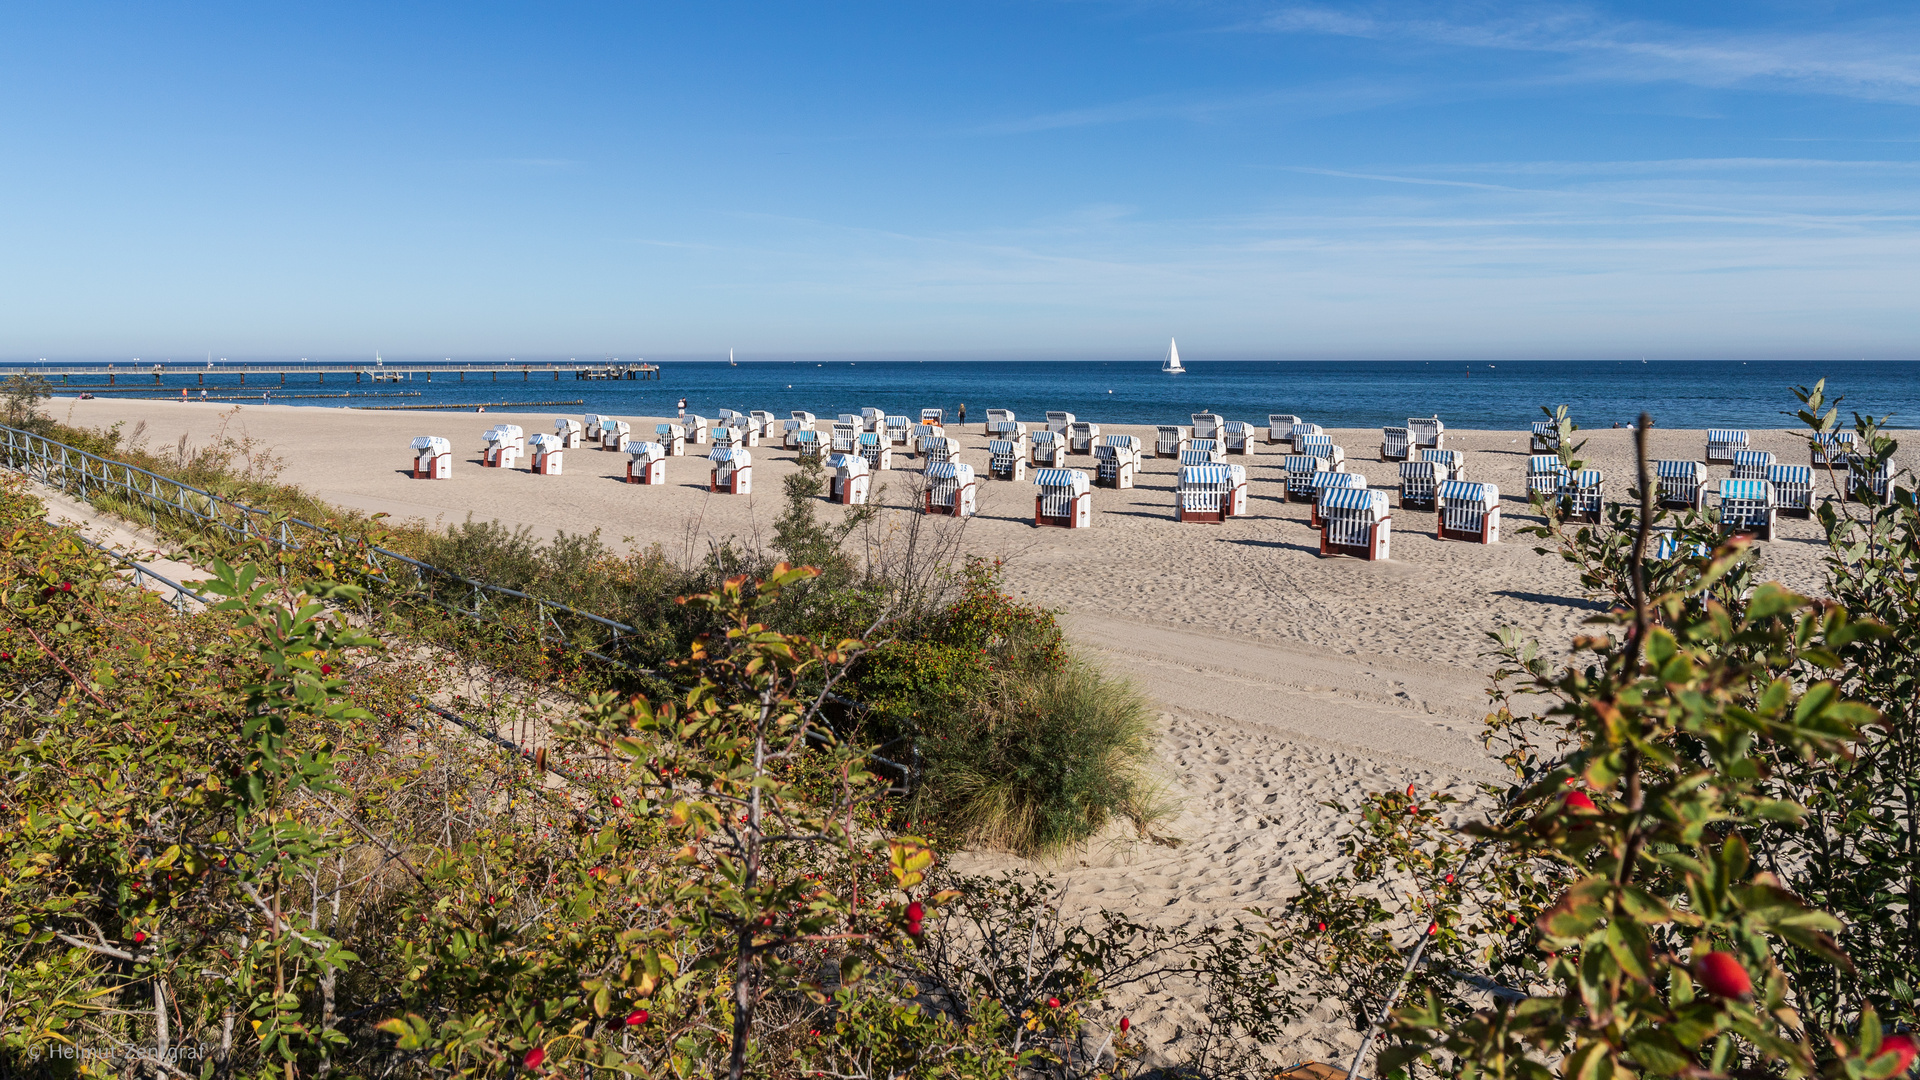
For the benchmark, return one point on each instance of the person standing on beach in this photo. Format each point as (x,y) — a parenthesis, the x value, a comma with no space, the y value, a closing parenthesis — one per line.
(683,408)
(963,412)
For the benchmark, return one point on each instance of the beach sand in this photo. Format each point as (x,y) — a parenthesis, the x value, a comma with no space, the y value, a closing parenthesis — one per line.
(1284,679)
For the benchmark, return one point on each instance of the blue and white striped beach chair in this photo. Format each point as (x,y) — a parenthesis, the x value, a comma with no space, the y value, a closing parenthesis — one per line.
(1214,446)
(877,450)
(936,417)
(1127,446)
(1011,430)
(1467,511)
(1863,474)
(1682,485)
(1420,484)
(1170,439)
(1208,493)
(796,423)
(1546,438)
(1722,442)
(1207,425)
(646,463)
(732,471)
(1082,437)
(1004,460)
(1280,428)
(1583,495)
(1428,433)
(1321,446)
(1545,476)
(1065,499)
(1355,521)
(765,424)
(873,419)
(1792,489)
(1324,482)
(1396,444)
(568,430)
(1047,449)
(1666,546)
(1237,437)
(919,434)
(1059,422)
(851,479)
(1829,448)
(845,438)
(998,416)
(1302,428)
(1454,460)
(1752,464)
(591,432)
(1201,456)
(1301,469)
(1112,467)
(1746,506)
(937,450)
(671,436)
(950,489)
(898,428)
(615,434)
(807,443)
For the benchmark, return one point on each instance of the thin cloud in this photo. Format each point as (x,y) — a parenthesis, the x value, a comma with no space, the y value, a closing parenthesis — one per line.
(1878,62)
(1329,99)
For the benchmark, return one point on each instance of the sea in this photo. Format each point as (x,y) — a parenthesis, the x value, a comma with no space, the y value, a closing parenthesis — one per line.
(1490,395)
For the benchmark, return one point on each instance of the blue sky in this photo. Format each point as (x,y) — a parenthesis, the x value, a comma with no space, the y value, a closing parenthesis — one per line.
(982,179)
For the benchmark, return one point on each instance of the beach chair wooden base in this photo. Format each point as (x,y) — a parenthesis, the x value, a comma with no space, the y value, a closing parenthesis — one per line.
(738,482)
(1428,503)
(651,473)
(961,506)
(1373,550)
(1488,533)
(437,467)
(1203,517)
(1079,515)
(1389,454)
(1697,503)
(1760,530)
(547,464)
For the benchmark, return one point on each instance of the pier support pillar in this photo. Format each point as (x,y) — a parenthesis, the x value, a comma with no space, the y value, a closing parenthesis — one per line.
(109,378)
(243,378)
(356,378)
(203,378)
(283,378)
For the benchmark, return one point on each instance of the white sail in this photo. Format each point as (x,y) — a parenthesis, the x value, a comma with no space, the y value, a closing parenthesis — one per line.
(1172,363)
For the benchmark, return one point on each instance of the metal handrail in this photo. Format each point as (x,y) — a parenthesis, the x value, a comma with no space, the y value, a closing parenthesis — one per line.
(85,474)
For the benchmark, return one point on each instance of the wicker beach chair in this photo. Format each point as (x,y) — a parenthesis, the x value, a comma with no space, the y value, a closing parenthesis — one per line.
(1746,506)
(1300,471)
(1059,422)
(1355,522)
(1722,442)
(673,437)
(1864,474)
(764,424)
(1201,456)
(1207,425)
(950,489)
(1467,511)
(1546,438)
(1082,437)
(1752,464)
(1428,433)
(1004,460)
(1546,475)
(1454,460)
(807,444)
(1237,435)
(727,436)
(591,428)
(1170,439)
(1827,449)
(544,454)
(1011,430)
(1280,428)
(897,428)
(851,481)
(877,450)
(1324,482)
(1113,466)
(697,427)
(937,450)
(1792,489)
(918,437)
(873,419)
(936,417)
(1420,484)
(844,439)
(1321,446)
(615,434)
(998,416)
(646,463)
(732,470)
(1583,495)
(1682,485)
(1128,445)
(568,431)
(1396,444)
(1300,429)
(432,458)
(1204,493)
(791,428)
(1048,449)
(1065,499)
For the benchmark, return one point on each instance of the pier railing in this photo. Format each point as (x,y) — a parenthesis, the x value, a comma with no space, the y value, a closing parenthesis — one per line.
(90,477)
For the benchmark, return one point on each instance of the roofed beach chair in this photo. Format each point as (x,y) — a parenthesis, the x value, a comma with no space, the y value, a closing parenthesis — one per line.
(1865,474)
(763,424)
(1396,444)
(848,419)
(844,439)
(851,479)
(796,423)
(1722,442)
(1428,434)
(1011,430)
(1467,511)
(732,470)
(673,437)
(1792,489)
(1280,428)
(545,457)
(807,444)
(1170,439)
(1546,438)
(1207,425)
(1546,474)
(877,450)
(1667,546)
(937,450)
(432,458)
(1047,449)
(1301,469)
(1683,485)
(1829,447)
(615,434)
(724,435)
(1752,464)
(936,417)
(1237,435)
(1582,494)
(1321,446)
(746,432)
(1746,506)
(897,429)
(918,437)
(1059,422)
(1356,522)
(1127,445)
(998,416)
(591,428)
(1324,482)
(1081,437)
(1201,456)
(1420,484)
(697,427)
(1204,493)
(1065,499)
(1302,428)
(646,463)
(872,419)
(1113,465)
(568,430)
(1004,460)
(1454,460)
(950,489)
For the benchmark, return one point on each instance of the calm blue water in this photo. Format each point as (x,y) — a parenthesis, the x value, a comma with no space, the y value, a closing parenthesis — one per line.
(1500,395)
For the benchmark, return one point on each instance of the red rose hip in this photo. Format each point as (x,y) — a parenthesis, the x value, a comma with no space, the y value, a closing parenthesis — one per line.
(1722,975)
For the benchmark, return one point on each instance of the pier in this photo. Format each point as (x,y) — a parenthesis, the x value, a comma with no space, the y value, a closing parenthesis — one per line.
(136,373)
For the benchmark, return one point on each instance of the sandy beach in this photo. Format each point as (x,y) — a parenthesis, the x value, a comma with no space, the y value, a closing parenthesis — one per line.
(1284,679)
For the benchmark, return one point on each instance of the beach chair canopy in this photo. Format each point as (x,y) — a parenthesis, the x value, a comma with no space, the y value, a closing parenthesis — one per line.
(1322,481)
(868,416)
(565,425)
(1304,463)
(933,416)
(671,431)
(1452,459)
(645,452)
(803,417)
(1282,420)
(806,435)
(1746,491)
(1752,459)
(1544,427)
(1587,478)
(897,423)
(509,431)
(1543,464)
(1355,498)
(1429,472)
(738,456)
(1470,494)
(728,416)
(1427,427)
(1045,438)
(1058,420)
(592,419)
(544,443)
(869,438)
(1000,448)
(1396,433)
(1071,480)
(1727,436)
(1122,442)
(432,443)
(950,470)
(761,417)
(1199,457)
(1304,428)
(847,466)
(999,416)
(938,444)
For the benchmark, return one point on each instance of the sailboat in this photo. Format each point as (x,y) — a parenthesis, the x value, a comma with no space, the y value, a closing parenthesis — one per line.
(731,362)
(1172,364)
